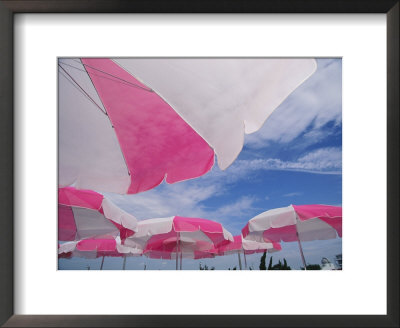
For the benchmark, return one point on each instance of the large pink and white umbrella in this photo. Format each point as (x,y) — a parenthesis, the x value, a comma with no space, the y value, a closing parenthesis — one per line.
(170,249)
(125,125)
(94,248)
(296,223)
(182,236)
(86,214)
(247,247)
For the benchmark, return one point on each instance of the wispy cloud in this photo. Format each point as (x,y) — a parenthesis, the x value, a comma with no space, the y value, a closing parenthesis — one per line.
(307,110)
(320,161)
(238,208)
(291,194)
(183,198)
(188,199)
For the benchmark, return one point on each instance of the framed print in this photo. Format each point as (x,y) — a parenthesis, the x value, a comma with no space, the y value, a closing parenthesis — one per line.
(113,259)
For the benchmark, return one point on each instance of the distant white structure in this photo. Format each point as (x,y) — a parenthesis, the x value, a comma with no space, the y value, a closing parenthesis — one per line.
(327,265)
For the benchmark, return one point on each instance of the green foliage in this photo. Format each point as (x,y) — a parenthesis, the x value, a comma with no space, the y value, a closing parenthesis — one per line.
(278,266)
(312,267)
(205,267)
(262,261)
(270,264)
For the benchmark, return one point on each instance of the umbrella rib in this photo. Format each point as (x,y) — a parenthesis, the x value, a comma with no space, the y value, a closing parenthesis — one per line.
(106,113)
(79,90)
(82,90)
(116,77)
(90,78)
(101,76)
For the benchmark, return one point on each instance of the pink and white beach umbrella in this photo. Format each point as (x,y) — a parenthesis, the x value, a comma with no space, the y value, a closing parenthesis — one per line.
(94,248)
(247,247)
(86,214)
(183,253)
(125,125)
(170,249)
(178,235)
(296,223)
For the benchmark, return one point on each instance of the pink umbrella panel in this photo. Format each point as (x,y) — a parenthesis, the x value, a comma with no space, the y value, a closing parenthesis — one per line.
(246,247)
(117,134)
(296,223)
(183,254)
(182,236)
(86,214)
(169,246)
(95,248)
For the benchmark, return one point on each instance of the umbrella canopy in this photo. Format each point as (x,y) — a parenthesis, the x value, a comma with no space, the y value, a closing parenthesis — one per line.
(247,246)
(165,255)
(296,223)
(85,214)
(222,98)
(94,248)
(240,245)
(182,236)
(164,231)
(146,120)
(174,248)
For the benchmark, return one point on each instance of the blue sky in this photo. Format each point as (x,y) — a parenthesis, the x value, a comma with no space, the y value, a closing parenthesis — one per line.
(295,158)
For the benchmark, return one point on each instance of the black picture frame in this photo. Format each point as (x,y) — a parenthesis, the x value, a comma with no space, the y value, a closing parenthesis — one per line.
(7,10)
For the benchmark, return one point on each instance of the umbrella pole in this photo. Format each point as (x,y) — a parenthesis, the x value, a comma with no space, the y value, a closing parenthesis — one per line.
(301,249)
(102,262)
(123,265)
(240,261)
(301,253)
(180,249)
(245,261)
(176,251)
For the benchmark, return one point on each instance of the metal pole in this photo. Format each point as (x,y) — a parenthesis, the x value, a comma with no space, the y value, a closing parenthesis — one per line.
(245,261)
(240,261)
(180,250)
(301,253)
(301,248)
(176,251)
(102,262)
(123,265)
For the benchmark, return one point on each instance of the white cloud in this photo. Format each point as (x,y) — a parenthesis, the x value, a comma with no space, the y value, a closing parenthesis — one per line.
(321,161)
(238,208)
(291,194)
(185,199)
(168,200)
(313,104)
(327,160)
